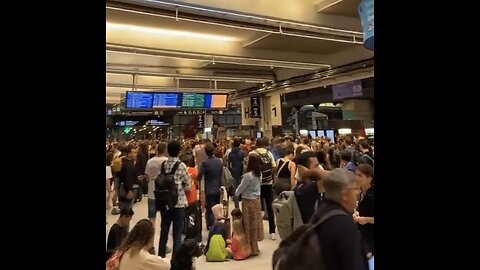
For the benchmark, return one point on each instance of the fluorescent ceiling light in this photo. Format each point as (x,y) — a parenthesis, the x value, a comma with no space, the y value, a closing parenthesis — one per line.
(174,33)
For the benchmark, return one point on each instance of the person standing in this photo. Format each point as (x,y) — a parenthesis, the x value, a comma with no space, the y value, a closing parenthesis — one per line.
(177,214)
(338,236)
(235,164)
(128,178)
(285,179)
(211,171)
(367,156)
(200,157)
(152,170)
(268,173)
(306,191)
(365,217)
(250,190)
(142,158)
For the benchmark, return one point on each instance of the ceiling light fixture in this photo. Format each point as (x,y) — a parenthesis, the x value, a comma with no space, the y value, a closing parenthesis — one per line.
(168,32)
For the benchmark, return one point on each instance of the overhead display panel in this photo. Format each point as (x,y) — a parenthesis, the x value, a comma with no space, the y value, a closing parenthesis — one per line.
(139,100)
(170,100)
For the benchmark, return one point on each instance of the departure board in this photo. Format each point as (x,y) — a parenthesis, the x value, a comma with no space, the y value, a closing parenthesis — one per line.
(193,100)
(138,100)
(165,100)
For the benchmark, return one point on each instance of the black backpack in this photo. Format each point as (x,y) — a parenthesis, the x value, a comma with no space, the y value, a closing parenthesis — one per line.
(267,174)
(301,249)
(166,191)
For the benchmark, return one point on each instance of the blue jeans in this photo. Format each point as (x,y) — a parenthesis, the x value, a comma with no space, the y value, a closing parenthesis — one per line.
(211,200)
(176,216)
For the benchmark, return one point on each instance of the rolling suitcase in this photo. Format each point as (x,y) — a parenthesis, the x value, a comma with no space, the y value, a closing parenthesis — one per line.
(193,222)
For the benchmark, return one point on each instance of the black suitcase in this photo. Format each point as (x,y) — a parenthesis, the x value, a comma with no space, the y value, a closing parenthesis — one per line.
(192,227)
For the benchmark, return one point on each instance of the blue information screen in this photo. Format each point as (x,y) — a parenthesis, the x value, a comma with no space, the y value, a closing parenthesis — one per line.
(139,100)
(208,100)
(165,100)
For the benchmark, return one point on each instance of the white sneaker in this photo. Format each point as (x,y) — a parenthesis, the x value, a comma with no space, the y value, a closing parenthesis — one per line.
(273,237)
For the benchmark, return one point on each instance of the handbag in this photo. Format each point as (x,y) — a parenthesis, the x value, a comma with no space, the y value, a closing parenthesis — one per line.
(227,178)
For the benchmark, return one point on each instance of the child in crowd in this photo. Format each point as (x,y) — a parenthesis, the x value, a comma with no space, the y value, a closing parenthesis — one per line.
(241,249)
(218,244)
(118,231)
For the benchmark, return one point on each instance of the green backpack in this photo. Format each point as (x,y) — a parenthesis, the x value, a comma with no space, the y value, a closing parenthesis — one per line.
(216,250)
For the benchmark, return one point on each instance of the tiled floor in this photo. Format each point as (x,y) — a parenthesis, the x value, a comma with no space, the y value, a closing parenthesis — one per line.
(261,262)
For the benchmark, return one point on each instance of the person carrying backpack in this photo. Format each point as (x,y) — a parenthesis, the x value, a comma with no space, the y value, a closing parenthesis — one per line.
(330,241)
(268,175)
(170,198)
(367,156)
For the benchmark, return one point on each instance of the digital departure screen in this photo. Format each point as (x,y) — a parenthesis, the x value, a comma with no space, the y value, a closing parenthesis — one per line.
(331,135)
(138,100)
(193,100)
(215,101)
(165,100)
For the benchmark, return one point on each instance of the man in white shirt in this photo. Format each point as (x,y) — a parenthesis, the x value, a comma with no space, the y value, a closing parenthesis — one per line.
(152,170)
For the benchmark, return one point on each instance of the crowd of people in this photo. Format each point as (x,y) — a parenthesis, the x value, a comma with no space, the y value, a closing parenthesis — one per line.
(324,175)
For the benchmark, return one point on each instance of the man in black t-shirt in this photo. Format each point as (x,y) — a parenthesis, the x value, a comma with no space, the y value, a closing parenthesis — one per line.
(118,232)
(306,191)
(128,178)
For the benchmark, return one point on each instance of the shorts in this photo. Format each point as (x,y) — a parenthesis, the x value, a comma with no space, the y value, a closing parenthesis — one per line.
(152,209)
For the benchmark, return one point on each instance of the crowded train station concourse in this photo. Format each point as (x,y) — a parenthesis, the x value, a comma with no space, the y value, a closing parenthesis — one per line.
(239,134)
